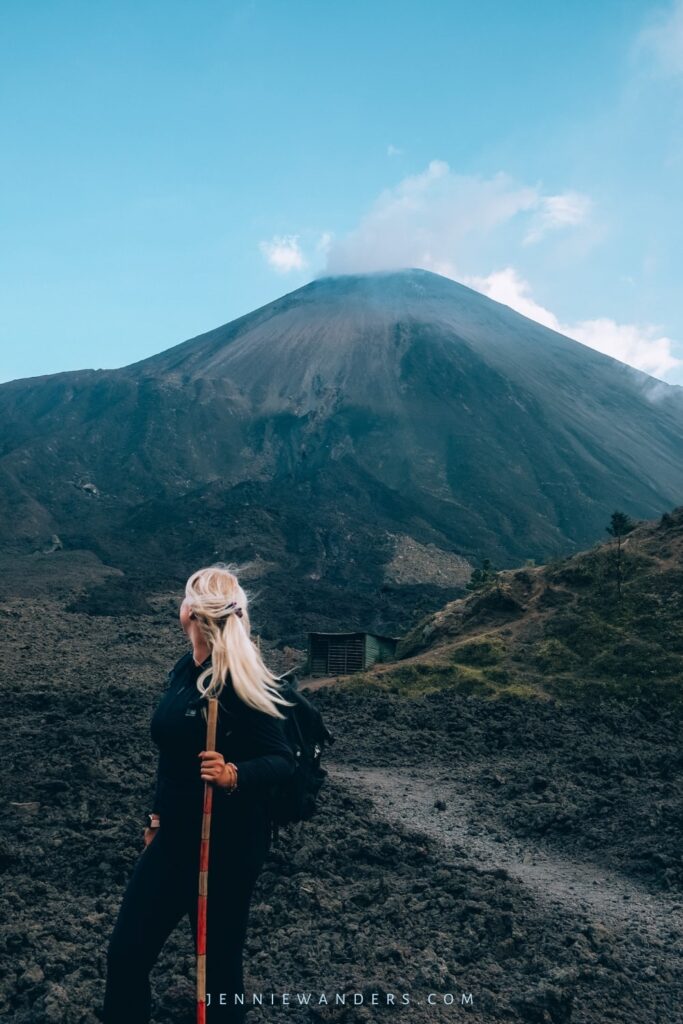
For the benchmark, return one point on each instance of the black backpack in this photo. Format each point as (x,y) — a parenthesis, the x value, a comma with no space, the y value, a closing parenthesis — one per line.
(294,799)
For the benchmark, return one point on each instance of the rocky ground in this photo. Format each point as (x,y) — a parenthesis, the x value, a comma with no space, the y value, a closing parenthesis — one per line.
(524,853)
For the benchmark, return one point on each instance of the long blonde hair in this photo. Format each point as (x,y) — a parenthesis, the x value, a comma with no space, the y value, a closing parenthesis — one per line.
(220,606)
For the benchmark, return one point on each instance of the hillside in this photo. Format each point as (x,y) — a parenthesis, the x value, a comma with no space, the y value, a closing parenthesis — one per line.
(560,630)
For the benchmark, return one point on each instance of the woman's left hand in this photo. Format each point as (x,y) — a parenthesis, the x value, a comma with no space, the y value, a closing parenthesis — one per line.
(213,767)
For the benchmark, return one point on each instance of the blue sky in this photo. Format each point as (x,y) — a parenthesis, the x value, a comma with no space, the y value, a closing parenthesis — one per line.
(167,167)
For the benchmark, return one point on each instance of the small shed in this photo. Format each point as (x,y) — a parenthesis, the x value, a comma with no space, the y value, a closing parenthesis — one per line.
(337,654)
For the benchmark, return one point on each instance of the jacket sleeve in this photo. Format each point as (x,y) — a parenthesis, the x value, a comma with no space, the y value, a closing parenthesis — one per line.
(157,789)
(273,760)
(156,802)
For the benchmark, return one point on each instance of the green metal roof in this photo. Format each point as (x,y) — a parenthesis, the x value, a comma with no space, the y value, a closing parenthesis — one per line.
(355,632)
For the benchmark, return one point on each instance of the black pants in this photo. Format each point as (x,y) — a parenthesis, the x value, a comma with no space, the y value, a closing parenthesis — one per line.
(162,890)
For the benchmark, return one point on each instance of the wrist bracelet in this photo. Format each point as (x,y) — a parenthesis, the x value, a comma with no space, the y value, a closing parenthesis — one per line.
(232,785)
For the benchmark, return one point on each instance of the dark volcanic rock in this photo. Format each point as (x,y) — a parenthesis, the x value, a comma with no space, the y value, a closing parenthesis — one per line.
(351,901)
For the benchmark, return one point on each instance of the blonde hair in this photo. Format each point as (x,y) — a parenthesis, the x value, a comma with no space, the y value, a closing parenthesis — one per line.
(216,598)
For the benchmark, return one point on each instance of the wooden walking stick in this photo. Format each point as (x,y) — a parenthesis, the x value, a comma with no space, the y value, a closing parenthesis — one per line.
(202,906)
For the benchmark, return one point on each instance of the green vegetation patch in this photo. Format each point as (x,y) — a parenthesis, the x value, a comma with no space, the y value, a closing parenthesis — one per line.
(420,678)
(485,650)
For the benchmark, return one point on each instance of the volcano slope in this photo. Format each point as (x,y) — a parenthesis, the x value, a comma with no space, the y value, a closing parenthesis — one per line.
(327,435)
(516,847)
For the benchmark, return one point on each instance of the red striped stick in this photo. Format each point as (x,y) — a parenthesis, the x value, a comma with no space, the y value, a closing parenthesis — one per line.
(202,905)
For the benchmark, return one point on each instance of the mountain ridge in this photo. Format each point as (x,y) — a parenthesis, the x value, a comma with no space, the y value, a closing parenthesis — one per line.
(394,403)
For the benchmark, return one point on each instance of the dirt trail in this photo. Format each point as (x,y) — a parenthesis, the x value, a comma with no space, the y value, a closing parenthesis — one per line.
(606,898)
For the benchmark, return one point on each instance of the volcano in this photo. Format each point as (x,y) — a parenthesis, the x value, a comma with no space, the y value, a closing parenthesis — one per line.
(361,442)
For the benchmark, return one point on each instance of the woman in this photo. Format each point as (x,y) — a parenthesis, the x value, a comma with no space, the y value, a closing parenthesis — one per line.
(252,755)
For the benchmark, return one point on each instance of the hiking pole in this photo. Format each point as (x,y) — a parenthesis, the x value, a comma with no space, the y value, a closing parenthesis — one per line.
(202,905)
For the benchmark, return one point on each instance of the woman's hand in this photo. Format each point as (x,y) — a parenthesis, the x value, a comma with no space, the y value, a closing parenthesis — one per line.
(149,835)
(213,768)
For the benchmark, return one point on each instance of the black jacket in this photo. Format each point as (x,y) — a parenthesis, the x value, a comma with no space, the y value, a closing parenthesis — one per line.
(253,740)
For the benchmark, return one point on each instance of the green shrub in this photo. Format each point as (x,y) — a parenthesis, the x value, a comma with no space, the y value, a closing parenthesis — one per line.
(552,654)
(501,676)
(484,651)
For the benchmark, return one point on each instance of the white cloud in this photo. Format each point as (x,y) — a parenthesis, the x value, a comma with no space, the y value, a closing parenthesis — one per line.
(508,287)
(662,40)
(394,150)
(435,217)
(563,211)
(443,222)
(283,253)
(638,345)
